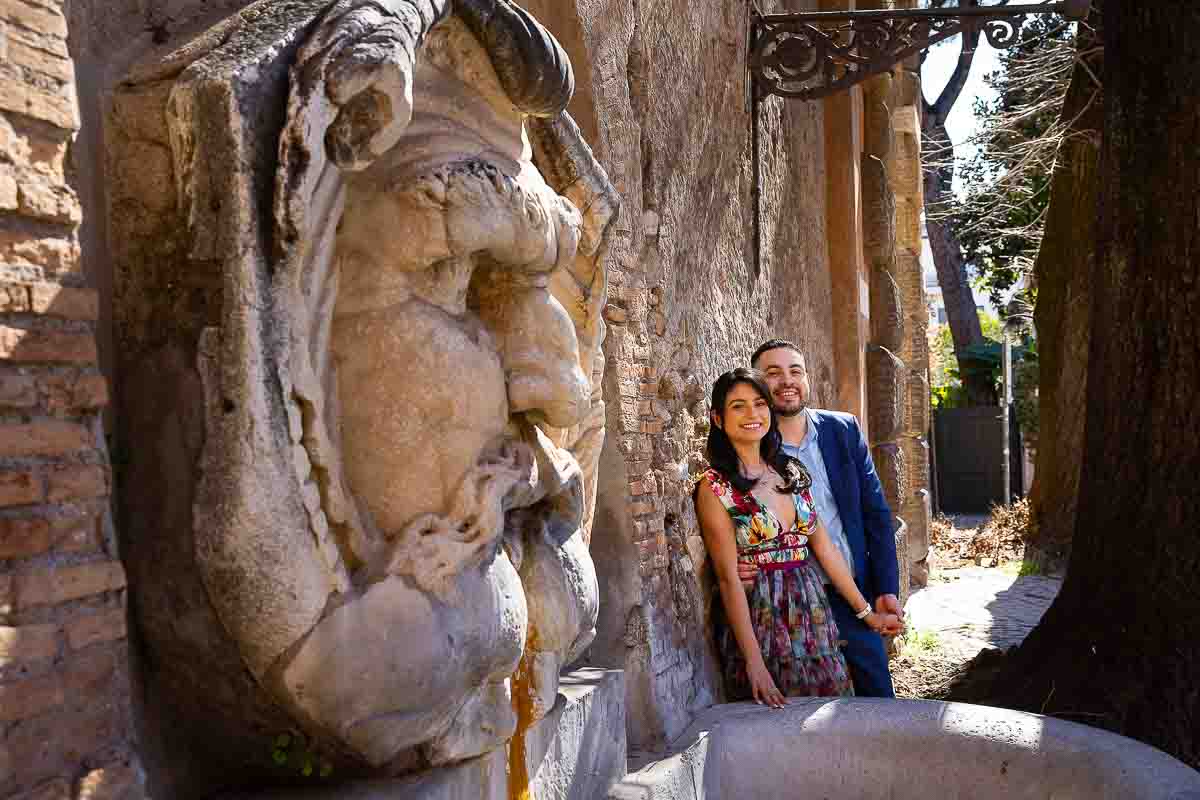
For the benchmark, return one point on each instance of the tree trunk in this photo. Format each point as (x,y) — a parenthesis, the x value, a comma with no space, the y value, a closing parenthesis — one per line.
(1120,647)
(961,312)
(1062,275)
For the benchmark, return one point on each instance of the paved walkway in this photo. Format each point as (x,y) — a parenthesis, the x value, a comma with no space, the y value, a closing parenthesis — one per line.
(973,608)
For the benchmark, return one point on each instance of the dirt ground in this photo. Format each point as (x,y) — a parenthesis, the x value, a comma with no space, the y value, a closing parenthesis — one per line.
(983,598)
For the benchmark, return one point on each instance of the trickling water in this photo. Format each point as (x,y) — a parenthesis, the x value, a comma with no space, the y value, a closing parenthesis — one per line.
(522,700)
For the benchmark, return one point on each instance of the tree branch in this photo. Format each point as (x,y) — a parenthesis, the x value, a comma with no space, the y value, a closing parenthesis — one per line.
(953,88)
(940,109)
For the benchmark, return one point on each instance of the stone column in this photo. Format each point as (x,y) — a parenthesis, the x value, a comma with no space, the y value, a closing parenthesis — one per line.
(848,274)
(904,175)
(887,375)
(64,696)
(898,357)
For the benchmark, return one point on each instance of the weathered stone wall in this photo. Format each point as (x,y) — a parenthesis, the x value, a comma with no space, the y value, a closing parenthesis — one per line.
(898,357)
(849,272)
(904,176)
(662,97)
(105,37)
(65,730)
(664,102)
(886,371)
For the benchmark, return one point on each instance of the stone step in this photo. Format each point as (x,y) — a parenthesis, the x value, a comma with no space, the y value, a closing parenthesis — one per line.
(576,752)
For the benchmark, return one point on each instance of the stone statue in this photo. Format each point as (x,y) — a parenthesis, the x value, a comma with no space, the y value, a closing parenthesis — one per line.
(403,416)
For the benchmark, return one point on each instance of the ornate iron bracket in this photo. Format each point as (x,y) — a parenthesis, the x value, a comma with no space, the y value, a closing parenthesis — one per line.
(813,55)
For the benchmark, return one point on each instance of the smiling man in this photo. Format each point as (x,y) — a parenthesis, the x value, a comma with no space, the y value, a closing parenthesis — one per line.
(849,500)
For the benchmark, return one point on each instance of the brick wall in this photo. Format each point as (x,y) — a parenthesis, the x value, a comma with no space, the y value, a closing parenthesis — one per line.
(64,721)
(689,297)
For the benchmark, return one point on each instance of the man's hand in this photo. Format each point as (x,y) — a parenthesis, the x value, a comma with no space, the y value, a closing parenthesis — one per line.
(888,604)
(747,574)
(884,624)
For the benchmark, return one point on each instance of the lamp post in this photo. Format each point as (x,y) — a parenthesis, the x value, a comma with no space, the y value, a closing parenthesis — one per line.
(1017,320)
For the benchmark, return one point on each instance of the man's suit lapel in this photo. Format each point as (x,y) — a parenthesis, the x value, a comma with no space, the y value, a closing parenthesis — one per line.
(832,456)
(839,471)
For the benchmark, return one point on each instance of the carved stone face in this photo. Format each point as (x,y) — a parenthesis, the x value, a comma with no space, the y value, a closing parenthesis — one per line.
(449,348)
(379,388)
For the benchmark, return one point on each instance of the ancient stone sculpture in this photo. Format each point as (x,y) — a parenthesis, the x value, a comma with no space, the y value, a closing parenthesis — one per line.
(403,414)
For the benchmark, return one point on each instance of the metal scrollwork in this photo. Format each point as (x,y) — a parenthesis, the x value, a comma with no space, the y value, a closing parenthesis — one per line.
(1002,33)
(809,56)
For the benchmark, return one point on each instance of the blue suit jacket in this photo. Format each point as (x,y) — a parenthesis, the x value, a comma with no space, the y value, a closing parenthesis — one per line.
(866,518)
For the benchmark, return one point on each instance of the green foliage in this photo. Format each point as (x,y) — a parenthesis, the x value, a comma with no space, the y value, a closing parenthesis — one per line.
(991,325)
(1006,184)
(946,371)
(944,365)
(1023,568)
(1025,396)
(948,396)
(921,641)
(292,754)
(1030,567)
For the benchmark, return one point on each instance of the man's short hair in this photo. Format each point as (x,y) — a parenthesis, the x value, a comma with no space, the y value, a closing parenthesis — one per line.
(774,344)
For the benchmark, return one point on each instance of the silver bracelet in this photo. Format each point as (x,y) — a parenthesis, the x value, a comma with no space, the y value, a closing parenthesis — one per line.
(866,612)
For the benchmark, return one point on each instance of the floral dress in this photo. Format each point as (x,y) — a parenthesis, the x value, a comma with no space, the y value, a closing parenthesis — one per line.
(788,607)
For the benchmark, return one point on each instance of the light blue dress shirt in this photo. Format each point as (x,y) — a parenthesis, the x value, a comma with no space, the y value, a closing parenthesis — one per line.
(809,454)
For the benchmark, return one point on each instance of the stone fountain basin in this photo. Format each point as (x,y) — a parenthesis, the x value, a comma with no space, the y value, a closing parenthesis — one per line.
(862,748)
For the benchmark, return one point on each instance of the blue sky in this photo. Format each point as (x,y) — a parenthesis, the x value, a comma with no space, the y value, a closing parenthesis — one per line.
(961,124)
(937,69)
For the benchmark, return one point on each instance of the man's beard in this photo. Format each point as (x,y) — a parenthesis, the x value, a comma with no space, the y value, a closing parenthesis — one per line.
(794,412)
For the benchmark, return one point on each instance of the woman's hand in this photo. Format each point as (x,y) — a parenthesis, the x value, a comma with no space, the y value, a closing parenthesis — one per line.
(884,624)
(762,685)
(719,538)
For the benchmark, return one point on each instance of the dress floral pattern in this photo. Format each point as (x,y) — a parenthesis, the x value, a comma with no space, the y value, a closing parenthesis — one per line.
(788,607)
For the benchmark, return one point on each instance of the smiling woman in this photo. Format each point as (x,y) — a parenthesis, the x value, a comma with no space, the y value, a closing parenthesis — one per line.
(778,637)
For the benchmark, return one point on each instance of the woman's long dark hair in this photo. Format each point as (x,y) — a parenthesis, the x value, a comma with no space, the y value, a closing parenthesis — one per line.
(724,459)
